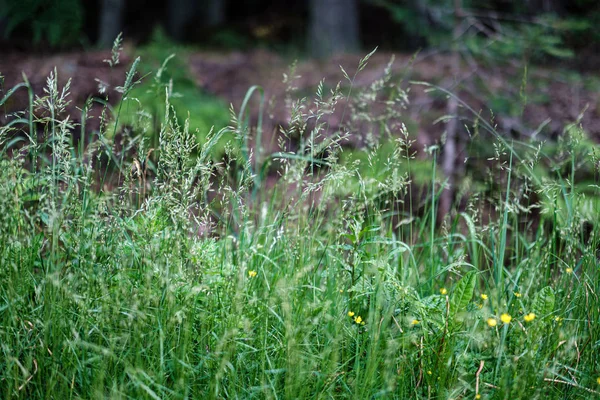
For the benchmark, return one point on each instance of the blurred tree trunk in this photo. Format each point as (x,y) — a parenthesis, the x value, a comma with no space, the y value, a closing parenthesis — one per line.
(450,146)
(180,14)
(333,27)
(111,21)
(2,27)
(215,12)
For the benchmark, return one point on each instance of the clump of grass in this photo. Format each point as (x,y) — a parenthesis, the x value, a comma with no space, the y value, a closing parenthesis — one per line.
(163,72)
(334,283)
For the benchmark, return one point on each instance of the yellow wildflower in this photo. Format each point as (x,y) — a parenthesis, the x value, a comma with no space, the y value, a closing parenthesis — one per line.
(252,273)
(598,380)
(443,291)
(477,396)
(506,318)
(429,372)
(492,322)
(415,322)
(484,296)
(358,320)
(341,290)
(351,313)
(529,317)
(517,294)
(569,270)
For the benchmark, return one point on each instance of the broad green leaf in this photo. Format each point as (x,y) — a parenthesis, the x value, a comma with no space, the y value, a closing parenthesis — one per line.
(543,303)
(463,292)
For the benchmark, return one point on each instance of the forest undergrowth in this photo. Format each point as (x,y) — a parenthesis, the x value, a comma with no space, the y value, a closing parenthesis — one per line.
(139,265)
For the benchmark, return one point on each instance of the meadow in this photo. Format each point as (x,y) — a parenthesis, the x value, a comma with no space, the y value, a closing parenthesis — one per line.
(139,265)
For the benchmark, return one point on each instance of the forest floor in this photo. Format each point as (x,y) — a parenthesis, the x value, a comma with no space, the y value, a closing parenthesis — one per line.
(524,101)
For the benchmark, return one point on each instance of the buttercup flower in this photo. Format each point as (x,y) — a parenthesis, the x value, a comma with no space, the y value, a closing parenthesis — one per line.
(505,318)
(484,296)
(569,270)
(415,322)
(517,294)
(252,273)
(492,322)
(598,380)
(443,291)
(351,313)
(529,317)
(358,319)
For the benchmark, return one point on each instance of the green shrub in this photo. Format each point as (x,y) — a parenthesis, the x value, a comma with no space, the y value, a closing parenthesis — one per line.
(59,22)
(143,110)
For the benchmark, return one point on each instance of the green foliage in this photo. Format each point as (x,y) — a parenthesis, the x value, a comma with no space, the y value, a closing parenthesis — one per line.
(463,292)
(143,109)
(490,31)
(586,14)
(543,303)
(430,19)
(227,39)
(59,22)
(536,40)
(141,285)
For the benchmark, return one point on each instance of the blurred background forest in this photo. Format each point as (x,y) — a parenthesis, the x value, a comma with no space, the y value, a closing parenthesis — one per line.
(530,28)
(522,59)
(527,66)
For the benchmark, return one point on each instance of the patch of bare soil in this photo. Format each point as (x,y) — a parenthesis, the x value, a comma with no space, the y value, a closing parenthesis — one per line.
(88,73)
(547,98)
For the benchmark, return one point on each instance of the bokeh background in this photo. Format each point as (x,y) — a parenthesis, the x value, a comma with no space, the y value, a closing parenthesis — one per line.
(530,65)
(300,25)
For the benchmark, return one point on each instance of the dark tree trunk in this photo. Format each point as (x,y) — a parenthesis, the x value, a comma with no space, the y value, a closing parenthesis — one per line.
(180,14)
(111,21)
(215,12)
(449,160)
(333,27)
(2,27)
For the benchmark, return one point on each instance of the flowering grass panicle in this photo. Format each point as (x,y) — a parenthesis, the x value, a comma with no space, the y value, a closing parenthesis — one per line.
(130,268)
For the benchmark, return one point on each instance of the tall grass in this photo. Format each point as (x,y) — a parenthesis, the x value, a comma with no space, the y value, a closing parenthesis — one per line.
(129,272)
